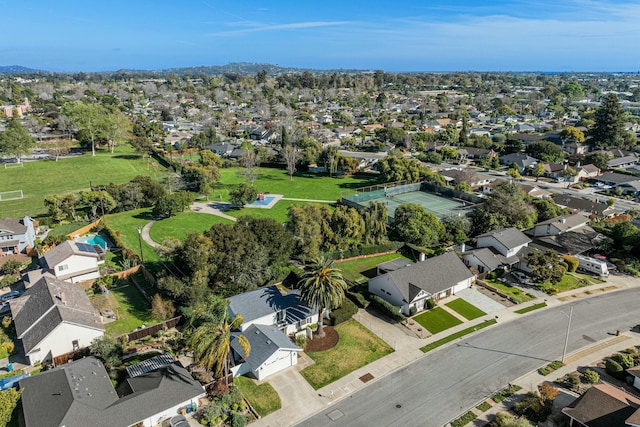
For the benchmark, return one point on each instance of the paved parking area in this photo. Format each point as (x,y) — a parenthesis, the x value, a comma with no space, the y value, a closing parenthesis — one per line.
(483,302)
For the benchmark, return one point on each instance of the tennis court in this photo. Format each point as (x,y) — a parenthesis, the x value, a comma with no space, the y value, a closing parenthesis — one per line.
(440,206)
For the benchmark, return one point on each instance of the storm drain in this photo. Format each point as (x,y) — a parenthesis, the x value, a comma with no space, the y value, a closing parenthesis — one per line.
(334,415)
(366,378)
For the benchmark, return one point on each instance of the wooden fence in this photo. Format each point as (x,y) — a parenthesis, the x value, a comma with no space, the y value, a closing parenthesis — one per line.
(85,229)
(123,275)
(153,329)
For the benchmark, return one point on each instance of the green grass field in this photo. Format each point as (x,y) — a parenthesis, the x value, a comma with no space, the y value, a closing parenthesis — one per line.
(133,311)
(531,308)
(466,310)
(278,212)
(127,223)
(303,186)
(357,347)
(437,320)
(363,268)
(182,224)
(263,398)
(41,178)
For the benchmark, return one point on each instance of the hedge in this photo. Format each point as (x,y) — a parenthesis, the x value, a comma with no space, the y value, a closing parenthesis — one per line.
(344,313)
(614,369)
(358,299)
(387,309)
(572,263)
(366,250)
(113,235)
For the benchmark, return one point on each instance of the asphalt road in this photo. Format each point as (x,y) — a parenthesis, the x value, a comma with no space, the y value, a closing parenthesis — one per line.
(439,387)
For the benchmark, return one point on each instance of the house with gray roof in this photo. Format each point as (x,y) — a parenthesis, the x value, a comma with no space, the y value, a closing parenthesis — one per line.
(586,207)
(80,393)
(485,260)
(506,241)
(558,225)
(54,317)
(522,161)
(73,261)
(16,235)
(410,287)
(271,352)
(270,307)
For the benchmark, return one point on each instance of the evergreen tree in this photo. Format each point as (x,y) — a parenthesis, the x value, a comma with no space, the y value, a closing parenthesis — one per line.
(609,127)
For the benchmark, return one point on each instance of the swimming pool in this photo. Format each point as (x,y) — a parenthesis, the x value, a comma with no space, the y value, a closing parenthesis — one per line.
(93,239)
(265,201)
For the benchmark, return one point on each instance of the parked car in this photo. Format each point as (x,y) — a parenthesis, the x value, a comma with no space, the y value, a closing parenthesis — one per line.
(10,295)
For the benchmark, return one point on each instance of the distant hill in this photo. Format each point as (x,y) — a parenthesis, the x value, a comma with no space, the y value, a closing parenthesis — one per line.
(16,69)
(244,68)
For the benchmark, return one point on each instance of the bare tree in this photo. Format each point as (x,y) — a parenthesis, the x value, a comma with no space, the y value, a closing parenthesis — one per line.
(250,161)
(291,155)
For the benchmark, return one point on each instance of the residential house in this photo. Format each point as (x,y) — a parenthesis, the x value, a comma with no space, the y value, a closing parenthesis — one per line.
(17,235)
(604,405)
(269,317)
(80,393)
(587,171)
(622,162)
(485,260)
(522,161)
(535,191)
(586,207)
(506,241)
(410,287)
(73,261)
(527,138)
(559,225)
(556,171)
(221,149)
(54,317)
(628,184)
(635,373)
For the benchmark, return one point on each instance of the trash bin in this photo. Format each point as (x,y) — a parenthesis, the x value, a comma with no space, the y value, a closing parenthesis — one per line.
(10,367)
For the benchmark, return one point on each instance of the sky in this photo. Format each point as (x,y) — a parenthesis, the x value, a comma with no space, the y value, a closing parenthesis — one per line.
(394,36)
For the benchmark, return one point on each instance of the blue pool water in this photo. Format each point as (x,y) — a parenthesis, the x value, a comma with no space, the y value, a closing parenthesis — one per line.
(93,239)
(267,199)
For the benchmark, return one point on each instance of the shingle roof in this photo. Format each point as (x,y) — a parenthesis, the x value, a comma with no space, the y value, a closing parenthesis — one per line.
(565,222)
(489,258)
(617,178)
(267,300)
(603,406)
(48,303)
(12,226)
(80,393)
(589,206)
(264,341)
(432,275)
(509,237)
(66,249)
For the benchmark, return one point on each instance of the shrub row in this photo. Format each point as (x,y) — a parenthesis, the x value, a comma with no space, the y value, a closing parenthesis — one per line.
(344,313)
(546,370)
(387,309)
(113,235)
(463,420)
(358,299)
(366,250)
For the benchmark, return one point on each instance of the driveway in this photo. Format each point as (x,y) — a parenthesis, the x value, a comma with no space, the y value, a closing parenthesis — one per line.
(483,302)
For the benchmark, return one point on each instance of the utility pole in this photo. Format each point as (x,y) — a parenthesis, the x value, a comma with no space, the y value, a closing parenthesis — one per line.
(140,243)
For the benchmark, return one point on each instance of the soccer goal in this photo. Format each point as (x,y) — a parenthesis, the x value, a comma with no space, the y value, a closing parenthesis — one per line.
(13,165)
(11,195)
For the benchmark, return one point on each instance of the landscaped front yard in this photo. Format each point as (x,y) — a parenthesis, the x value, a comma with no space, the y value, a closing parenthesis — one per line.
(516,294)
(357,347)
(437,320)
(466,310)
(358,270)
(263,398)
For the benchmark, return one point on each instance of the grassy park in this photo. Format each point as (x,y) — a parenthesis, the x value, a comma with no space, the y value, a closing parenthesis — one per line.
(126,224)
(357,347)
(278,212)
(42,178)
(183,224)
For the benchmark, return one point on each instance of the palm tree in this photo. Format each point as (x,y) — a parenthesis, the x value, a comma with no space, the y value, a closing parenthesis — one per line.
(211,338)
(322,286)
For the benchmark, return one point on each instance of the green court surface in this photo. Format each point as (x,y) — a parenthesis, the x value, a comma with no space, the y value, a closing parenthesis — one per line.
(440,206)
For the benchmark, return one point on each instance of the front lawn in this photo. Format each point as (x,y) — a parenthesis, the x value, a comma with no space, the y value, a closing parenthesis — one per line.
(437,320)
(466,310)
(182,224)
(517,295)
(263,398)
(531,308)
(357,347)
(457,335)
(364,268)
(133,311)
(567,283)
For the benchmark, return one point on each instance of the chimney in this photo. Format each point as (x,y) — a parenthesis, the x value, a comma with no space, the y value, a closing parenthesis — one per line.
(563,220)
(463,247)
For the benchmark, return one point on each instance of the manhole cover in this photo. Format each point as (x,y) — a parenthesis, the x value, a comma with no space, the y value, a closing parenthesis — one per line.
(398,405)
(366,377)
(334,415)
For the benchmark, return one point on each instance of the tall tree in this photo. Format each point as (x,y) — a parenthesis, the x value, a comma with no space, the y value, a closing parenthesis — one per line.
(89,119)
(609,127)
(322,286)
(415,225)
(15,140)
(250,161)
(211,339)
(290,155)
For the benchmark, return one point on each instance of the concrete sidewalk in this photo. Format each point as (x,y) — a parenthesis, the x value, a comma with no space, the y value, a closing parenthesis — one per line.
(303,401)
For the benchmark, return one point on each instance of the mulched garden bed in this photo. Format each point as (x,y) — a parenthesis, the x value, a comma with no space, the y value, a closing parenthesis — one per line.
(329,340)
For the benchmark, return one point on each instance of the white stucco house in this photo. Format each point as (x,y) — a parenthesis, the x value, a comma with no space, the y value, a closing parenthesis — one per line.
(16,235)
(270,318)
(560,225)
(411,286)
(80,393)
(72,261)
(506,241)
(54,317)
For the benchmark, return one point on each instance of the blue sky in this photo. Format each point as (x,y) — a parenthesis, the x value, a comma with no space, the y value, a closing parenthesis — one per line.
(429,35)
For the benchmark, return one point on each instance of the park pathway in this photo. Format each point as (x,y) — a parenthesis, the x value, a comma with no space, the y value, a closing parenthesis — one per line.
(147,237)
(213,208)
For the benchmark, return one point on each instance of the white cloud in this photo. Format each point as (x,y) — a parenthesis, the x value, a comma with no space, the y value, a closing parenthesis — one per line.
(277,27)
